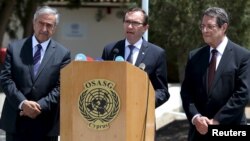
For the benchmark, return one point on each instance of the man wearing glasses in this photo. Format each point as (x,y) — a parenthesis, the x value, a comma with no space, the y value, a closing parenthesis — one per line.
(217,78)
(138,51)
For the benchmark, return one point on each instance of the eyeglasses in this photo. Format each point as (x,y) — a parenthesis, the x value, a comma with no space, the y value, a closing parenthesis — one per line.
(208,27)
(133,23)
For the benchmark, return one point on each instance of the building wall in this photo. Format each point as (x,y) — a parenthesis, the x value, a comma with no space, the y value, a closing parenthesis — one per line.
(80,31)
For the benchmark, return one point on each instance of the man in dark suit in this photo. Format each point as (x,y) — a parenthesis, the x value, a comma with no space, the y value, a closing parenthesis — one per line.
(222,100)
(31,82)
(146,55)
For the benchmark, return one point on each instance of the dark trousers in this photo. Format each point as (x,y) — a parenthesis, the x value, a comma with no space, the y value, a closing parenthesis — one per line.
(18,137)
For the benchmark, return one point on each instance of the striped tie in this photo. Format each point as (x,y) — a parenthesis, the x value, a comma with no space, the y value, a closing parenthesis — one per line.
(37,58)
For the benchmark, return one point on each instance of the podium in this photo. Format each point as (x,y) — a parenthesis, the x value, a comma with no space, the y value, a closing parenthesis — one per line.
(106,101)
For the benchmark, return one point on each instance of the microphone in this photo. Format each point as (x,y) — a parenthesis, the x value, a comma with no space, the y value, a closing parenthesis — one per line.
(115,52)
(80,57)
(142,66)
(89,58)
(99,59)
(119,58)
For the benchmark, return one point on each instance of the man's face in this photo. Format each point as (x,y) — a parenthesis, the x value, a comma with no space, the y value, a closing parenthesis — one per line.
(44,27)
(211,32)
(133,26)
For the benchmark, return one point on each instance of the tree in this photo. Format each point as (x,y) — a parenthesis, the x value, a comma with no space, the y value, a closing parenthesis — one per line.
(174,25)
(6,8)
(18,15)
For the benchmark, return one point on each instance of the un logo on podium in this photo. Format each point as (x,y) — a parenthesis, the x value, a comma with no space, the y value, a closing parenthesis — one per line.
(99,103)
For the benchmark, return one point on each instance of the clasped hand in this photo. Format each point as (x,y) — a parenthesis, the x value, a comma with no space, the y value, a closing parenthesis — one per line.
(30,109)
(201,123)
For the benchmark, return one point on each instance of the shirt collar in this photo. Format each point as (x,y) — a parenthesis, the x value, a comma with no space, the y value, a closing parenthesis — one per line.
(221,47)
(43,44)
(137,44)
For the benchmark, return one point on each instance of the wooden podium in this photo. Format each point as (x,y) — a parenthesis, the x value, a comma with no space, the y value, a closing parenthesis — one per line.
(106,101)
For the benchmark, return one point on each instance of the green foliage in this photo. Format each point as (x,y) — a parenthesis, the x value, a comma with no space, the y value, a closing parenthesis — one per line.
(174,26)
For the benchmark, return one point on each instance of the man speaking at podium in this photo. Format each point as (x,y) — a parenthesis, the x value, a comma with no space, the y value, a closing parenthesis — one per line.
(139,52)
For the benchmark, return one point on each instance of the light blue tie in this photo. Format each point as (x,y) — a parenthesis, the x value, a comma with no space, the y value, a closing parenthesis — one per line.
(129,59)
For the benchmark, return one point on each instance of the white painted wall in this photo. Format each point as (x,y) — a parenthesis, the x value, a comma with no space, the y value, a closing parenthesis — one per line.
(79,31)
(89,36)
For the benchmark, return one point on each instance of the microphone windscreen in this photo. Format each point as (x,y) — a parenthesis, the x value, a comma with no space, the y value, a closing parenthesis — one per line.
(119,58)
(80,57)
(99,59)
(90,58)
(115,52)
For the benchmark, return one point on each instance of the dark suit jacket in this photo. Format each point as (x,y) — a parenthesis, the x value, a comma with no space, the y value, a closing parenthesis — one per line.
(229,91)
(154,59)
(19,83)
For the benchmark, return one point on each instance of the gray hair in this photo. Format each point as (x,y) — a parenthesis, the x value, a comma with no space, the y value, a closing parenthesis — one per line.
(219,13)
(47,10)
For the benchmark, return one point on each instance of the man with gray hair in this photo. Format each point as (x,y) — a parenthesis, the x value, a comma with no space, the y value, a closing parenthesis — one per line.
(217,79)
(30,79)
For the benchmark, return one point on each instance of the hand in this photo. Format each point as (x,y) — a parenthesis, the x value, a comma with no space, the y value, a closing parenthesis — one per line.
(31,109)
(201,124)
(213,122)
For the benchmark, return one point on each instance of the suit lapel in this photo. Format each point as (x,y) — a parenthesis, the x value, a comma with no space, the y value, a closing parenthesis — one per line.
(204,63)
(143,51)
(27,56)
(226,57)
(121,47)
(47,55)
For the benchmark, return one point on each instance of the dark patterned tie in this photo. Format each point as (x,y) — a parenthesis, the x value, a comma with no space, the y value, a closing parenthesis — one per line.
(212,68)
(36,58)
(130,58)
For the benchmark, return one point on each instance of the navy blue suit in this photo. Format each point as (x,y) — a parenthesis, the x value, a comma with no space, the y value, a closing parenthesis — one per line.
(19,83)
(154,59)
(229,92)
